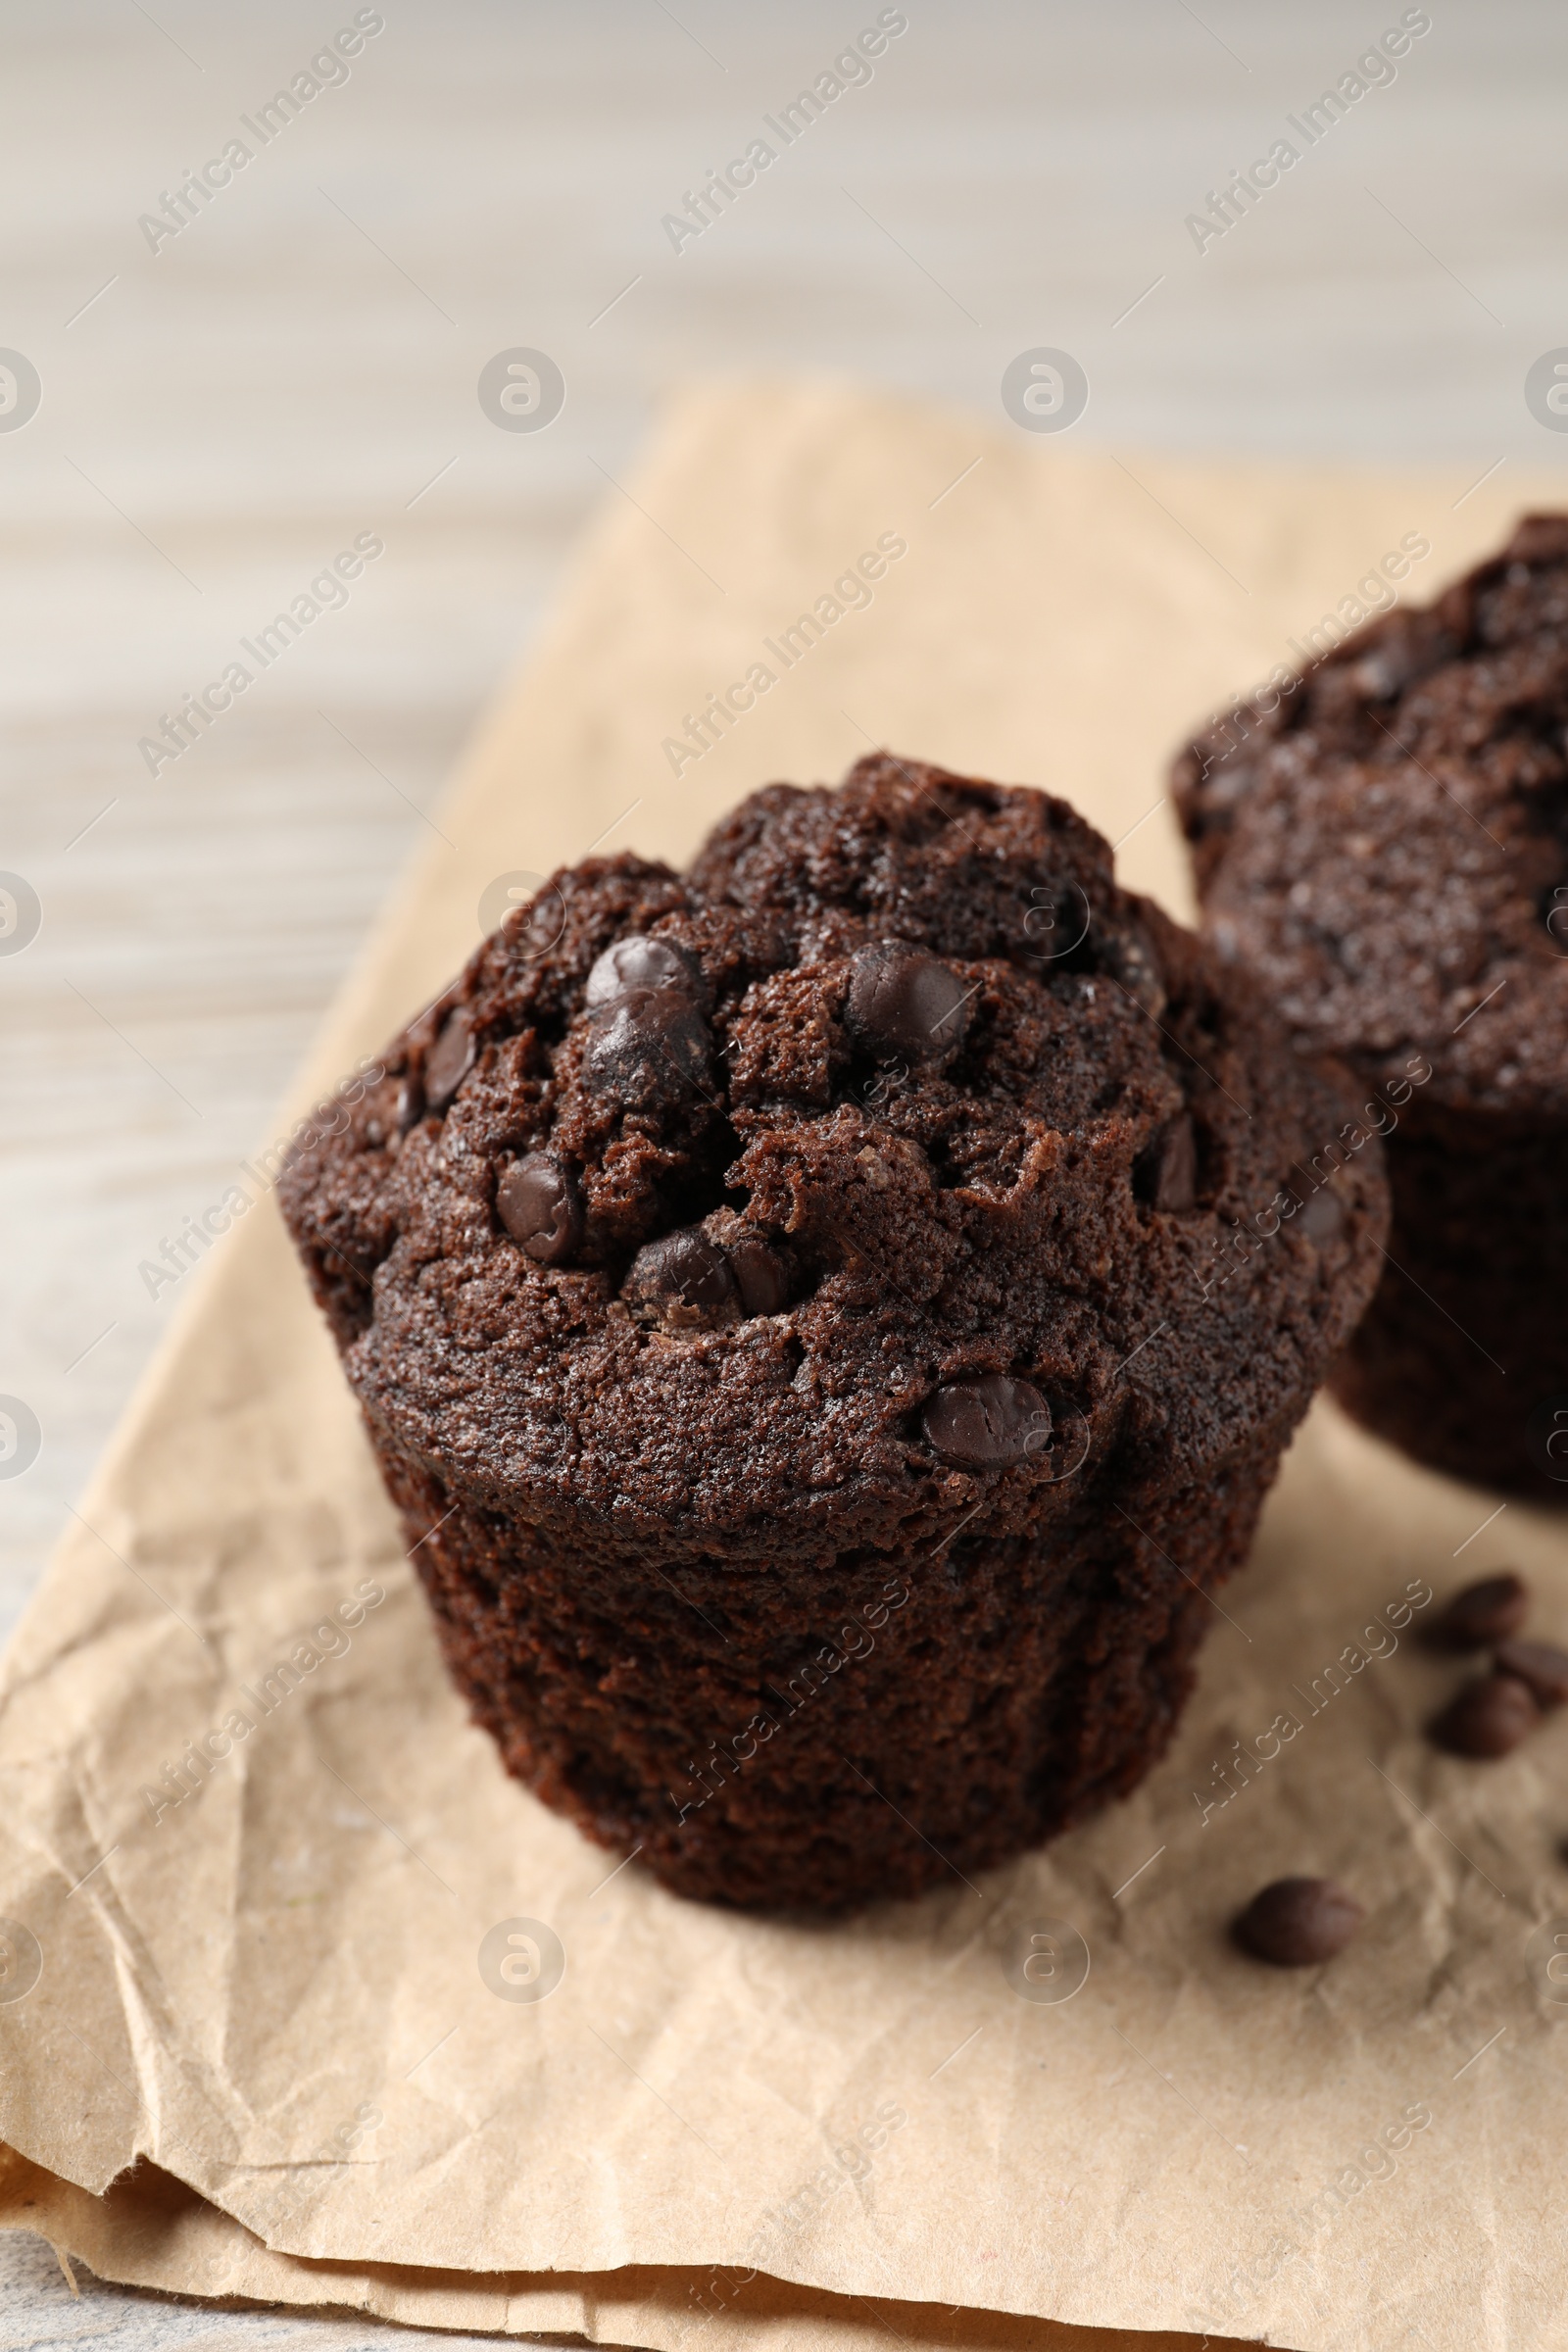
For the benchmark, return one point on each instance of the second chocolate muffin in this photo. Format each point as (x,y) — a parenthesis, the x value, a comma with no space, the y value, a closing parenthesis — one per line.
(829,1320)
(1388,851)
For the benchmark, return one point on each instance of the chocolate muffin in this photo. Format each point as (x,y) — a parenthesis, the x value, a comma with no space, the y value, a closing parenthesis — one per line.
(829,1320)
(1387,849)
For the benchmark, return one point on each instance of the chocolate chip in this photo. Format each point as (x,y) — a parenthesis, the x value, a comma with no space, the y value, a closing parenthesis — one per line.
(1490,1715)
(1322,1217)
(638,962)
(903,1001)
(647,1044)
(1541,1666)
(1487,1611)
(1296,1923)
(547,919)
(762,1279)
(1127,960)
(987,1423)
(1166,1175)
(540,1205)
(448,1060)
(684,1279)
(411,1104)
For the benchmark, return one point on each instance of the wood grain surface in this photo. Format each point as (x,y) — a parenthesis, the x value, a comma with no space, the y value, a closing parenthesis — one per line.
(298,366)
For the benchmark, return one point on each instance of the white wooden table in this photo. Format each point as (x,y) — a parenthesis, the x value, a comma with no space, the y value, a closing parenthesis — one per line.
(299,363)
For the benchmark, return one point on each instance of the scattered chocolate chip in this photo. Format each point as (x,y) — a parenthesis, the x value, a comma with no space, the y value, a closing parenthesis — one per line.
(448,1060)
(1166,1175)
(1487,1611)
(1541,1666)
(1490,1715)
(684,1279)
(903,1001)
(540,1205)
(1322,1217)
(411,1104)
(638,962)
(648,1043)
(1296,1923)
(987,1423)
(764,1284)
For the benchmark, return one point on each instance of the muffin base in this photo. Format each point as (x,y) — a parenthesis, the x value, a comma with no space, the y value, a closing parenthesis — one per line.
(804,1740)
(1462,1358)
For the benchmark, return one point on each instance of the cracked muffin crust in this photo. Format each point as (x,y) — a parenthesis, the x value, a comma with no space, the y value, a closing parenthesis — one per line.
(861,1209)
(1388,851)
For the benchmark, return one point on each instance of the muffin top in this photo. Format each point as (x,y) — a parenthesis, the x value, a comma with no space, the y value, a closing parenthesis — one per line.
(890,1164)
(1388,848)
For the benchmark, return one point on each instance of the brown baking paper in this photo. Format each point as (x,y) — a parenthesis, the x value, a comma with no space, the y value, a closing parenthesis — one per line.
(150,2231)
(271,1989)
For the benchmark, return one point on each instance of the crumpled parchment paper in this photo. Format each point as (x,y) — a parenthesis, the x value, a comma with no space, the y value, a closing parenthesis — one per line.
(251,1852)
